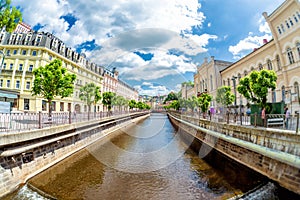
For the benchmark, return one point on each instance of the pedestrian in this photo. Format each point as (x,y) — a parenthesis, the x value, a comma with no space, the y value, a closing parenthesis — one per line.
(287,117)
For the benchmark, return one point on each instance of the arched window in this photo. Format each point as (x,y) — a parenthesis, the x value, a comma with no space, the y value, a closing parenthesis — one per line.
(228,81)
(291,22)
(269,63)
(224,82)
(290,55)
(211,83)
(296,20)
(273,96)
(287,24)
(296,89)
(283,93)
(282,27)
(278,62)
(298,49)
(279,30)
(260,67)
(239,76)
(245,73)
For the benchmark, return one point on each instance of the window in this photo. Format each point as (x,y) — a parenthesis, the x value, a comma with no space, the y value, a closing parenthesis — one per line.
(20,67)
(260,67)
(224,82)
(15,52)
(283,93)
(278,62)
(1,83)
(11,66)
(245,73)
(27,85)
(4,66)
(298,49)
(239,76)
(279,30)
(26,104)
(298,14)
(30,68)
(44,105)
(290,55)
(282,27)
(228,81)
(269,63)
(17,84)
(24,52)
(61,106)
(53,106)
(296,88)
(287,24)
(295,18)
(50,57)
(273,96)
(211,83)
(291,22)
(8,52)
(8,83)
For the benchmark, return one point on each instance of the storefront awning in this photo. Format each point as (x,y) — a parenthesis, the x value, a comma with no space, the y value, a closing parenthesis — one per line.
(8,95)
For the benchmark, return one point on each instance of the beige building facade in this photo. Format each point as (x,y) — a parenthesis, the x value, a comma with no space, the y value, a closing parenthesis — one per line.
(281,54)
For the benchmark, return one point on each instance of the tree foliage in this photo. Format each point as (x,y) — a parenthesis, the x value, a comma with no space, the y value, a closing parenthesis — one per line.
(9,16)
(171,96)
(107,99)
(224,96)
(132,104)
(255,86)
(192,103)
(174,104)
(90,94)
(119,101)
(53,81)
(204,101)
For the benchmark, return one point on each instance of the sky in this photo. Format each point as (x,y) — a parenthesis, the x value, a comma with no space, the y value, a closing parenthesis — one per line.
(154,44)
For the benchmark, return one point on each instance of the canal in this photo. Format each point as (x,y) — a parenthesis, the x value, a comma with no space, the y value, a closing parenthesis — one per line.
(149,160)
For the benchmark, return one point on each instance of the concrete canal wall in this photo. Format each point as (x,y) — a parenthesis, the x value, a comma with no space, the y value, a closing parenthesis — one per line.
(273,153)
(25,154)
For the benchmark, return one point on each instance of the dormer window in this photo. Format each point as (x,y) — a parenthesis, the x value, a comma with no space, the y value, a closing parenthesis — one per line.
(295,18)
(279,30)
(287,24)
(291,22)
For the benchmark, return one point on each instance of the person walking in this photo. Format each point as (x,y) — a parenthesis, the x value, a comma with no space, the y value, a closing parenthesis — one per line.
(263,116)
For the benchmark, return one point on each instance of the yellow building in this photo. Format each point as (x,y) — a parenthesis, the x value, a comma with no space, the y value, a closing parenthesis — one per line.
(281,54)
(27,51)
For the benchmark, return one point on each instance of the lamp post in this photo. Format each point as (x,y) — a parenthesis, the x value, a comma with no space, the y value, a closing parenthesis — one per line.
(234,89)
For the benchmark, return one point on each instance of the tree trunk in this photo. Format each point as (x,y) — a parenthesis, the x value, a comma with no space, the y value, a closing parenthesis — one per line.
(50,111)
(89,109)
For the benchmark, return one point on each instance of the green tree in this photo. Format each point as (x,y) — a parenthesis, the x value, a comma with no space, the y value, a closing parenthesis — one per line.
(132,104)
(140,105)
(254,87)
(192,103)
(52,81)
(90,94)
(119,101)
(204,102)
(107,99)
(171,96)
(9,16)
(224,96)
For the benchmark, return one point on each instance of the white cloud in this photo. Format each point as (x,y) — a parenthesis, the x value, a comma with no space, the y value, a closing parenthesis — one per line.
(209,24)
(252,41)
(152,89)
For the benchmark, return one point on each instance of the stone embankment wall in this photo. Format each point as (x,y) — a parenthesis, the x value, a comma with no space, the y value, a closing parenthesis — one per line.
(273,153)
(23,155)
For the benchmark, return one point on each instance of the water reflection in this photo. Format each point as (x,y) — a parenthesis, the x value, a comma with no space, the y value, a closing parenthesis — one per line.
(83,176)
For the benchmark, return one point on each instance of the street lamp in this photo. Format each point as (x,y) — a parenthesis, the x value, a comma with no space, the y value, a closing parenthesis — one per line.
(234,89)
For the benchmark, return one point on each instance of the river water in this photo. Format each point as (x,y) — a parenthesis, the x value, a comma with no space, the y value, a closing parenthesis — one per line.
(144,161)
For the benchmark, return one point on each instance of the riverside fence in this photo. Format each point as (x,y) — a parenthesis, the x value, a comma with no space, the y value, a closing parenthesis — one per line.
(277,121)
(17,122)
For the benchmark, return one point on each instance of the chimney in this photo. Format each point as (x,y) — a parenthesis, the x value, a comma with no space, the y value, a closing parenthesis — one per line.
(265,41)
(254,49)
(212,58)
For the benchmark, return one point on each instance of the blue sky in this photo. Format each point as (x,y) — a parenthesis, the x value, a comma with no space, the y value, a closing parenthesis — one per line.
(154,44)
